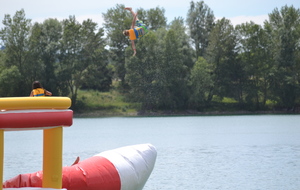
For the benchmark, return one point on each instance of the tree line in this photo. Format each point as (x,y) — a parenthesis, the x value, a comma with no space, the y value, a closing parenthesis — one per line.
(185,64)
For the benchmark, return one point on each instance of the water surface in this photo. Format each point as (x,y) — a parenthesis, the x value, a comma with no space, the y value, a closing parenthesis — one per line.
(201,152)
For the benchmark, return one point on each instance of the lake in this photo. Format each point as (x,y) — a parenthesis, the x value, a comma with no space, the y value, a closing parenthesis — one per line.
(253,152)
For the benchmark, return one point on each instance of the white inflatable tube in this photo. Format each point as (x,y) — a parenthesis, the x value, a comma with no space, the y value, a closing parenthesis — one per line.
(133,163)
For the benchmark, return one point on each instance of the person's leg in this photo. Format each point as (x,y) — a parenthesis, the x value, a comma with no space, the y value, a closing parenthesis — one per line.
(130,9)
(132,12)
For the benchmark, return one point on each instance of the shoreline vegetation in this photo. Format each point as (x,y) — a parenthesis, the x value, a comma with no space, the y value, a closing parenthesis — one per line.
(92,104)
(97,114)
(101,113)
(181,68)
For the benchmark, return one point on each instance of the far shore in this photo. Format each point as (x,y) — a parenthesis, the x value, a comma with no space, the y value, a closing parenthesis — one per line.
(103,113)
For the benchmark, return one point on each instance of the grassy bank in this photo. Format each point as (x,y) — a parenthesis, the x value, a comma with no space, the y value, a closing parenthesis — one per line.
(93,103)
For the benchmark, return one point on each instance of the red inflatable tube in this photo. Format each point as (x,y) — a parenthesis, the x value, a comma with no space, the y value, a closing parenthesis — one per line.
(92,174)
(14,120)
(101,174)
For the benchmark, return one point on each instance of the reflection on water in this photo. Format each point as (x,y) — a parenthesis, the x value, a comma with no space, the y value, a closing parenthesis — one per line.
(212,152)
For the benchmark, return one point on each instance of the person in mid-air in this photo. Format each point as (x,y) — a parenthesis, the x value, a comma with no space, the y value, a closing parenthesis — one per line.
(138,29)
(38,90)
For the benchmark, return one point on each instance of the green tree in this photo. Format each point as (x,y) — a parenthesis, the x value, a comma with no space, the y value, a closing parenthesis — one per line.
(8,78)
(115,21)
(177,25)
(15,37)
(284,29)
(155,18)
(142,75)
(36,71)
(173,73)
(201,83)
(2,58)
(254,55)
(82,48)
(69,51)
(200,20)
(97,75)
(222,54)
(45,40)
(158,75)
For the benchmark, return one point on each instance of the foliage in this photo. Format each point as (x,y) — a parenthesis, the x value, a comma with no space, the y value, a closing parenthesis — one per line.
(15,37)
(116,20)
(155,18)
(142,75)
(177,25)
(200,19)
(173,73)
(256,63)
(95,103)
(206,65)
(284,28)
(221,53)
(62,56)
(82,54)
(201,83)
(45,40)
(9,77)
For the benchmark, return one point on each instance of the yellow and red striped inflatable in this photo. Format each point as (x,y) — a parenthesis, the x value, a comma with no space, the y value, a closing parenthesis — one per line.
(19,113)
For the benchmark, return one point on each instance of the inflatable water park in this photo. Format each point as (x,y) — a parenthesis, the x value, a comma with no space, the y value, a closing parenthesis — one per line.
(124,168)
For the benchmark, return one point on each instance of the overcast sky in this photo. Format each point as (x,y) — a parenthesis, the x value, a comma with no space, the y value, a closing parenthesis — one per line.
(238,11)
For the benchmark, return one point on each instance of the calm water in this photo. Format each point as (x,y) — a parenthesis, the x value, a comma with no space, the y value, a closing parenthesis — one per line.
(206,152)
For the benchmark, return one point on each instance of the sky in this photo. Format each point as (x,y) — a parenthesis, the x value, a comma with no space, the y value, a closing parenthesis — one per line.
(238,11)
